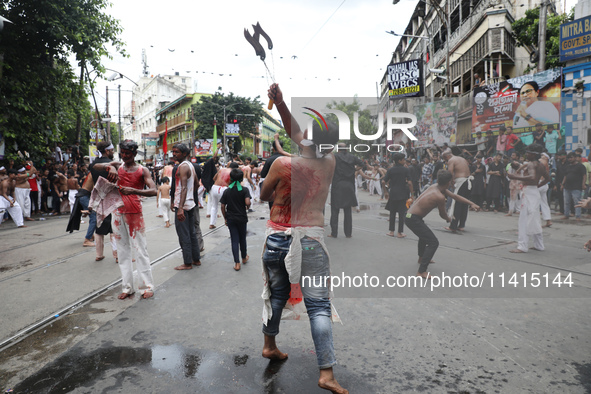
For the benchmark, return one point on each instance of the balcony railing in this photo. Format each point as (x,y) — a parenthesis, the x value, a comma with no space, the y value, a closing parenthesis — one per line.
(172,123)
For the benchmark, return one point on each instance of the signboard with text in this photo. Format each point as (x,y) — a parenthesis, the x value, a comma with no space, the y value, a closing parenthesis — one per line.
(406,79)
(436,122)
(575,39)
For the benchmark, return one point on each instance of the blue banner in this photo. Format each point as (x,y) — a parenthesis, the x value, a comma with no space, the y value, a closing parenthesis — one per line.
(575,39)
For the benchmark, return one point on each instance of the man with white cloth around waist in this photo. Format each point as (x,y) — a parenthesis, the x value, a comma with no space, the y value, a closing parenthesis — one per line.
(462,180)
(529,217)
(294,247)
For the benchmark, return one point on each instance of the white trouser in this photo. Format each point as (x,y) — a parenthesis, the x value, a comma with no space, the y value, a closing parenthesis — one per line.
(529,220)
(246,184)
(375,185)
(22,196)
(165,208)
(99,240)
(72,198)
(546,215)
(214,195)
(200,193)
(513,206)
(132,243)
(15,211)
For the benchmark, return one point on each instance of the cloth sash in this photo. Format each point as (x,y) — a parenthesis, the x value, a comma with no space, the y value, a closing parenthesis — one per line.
(457,185)
(293,266)
(530,206)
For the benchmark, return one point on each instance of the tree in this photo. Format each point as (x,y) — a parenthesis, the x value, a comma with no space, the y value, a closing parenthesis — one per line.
(366,126)
(526,33)
(212,107)
(42,99)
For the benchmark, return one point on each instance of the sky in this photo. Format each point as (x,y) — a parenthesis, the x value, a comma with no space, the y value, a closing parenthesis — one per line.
(328,48)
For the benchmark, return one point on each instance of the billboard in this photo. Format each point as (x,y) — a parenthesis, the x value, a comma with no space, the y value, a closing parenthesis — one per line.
(203,147)
(406,79)
(519,102)
(436,122)
(575,39)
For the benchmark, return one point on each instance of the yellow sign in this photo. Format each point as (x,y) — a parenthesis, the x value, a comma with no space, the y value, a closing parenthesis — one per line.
(410,89)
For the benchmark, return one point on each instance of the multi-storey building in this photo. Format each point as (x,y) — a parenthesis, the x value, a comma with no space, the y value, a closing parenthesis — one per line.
(150,95)
(462,38)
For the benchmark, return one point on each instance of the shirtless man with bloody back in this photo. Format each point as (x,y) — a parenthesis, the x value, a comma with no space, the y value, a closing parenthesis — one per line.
(462,181)
(299,188)
(221,180)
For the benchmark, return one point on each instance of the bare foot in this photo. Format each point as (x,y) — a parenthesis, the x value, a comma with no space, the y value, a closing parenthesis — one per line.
(167,225)
(99,258)
(237,267)
(211,226)
(390,234)
(147,294)
(197,263)
(271,351)
(158,216)
(450,229)
(509,214)
(328,382)
(245,260)
(30,219)
(548,223)
(207,216)
(123,296)
(183,267)
(565,218)
(539,250)
(22,226)
(331,236)
(461,229)
(425,275)
(401,235)
(516,251)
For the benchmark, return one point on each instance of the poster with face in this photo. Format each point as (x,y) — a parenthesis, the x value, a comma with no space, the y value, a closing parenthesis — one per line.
(520,102)
(437,123)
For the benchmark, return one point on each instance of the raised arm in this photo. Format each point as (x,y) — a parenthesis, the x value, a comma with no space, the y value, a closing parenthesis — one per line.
(291,127)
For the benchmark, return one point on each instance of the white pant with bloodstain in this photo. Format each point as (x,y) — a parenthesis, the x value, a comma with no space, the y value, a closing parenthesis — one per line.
(136,242)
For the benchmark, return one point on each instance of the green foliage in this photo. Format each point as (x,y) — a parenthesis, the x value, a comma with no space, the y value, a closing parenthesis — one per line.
(365,119)
(40,95)
(287,142)
(526,33)
(212,107)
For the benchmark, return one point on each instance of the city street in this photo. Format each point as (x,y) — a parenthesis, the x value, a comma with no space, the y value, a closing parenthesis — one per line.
(491,321)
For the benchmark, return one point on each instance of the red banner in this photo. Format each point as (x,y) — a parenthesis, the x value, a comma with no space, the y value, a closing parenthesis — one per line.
(164,144)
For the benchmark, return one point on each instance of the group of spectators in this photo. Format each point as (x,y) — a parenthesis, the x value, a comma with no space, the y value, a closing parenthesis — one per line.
(47,187)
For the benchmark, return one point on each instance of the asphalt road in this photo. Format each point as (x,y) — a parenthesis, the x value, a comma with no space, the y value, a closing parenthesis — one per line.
(496,322)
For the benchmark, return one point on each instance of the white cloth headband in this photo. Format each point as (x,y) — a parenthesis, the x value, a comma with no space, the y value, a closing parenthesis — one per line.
(110,147)
(2,168)
(22,169)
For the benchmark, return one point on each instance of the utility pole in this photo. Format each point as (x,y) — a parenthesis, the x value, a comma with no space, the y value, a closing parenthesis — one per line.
(542,36)
(108,138)
(119,127)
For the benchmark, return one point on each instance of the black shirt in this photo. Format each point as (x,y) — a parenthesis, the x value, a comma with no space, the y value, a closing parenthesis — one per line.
(95,174)
(574,175)
(235,204)
(345,167)
(436,168)
(268,163)
(397,177)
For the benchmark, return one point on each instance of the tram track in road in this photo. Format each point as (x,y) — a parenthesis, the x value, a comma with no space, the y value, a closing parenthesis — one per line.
(31,329)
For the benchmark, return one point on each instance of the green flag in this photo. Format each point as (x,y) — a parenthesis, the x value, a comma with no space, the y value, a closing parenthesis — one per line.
(214,143)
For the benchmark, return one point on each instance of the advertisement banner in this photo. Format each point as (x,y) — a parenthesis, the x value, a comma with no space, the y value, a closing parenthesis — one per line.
(436,123)
(406,79)
(203,147)
(575,39)
(519,102)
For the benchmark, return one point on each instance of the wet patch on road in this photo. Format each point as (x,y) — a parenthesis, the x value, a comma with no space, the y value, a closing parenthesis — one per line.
(191,368)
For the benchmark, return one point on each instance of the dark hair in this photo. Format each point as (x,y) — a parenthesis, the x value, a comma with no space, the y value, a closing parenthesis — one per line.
(456,151)
(444,177)
(233,164)
(236,175)
(165,179)
(181,148)
(70,172)
(275,146)
(12,171)
(329,136)
(398,157)
(533,84)
(129,145)
(570,154)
